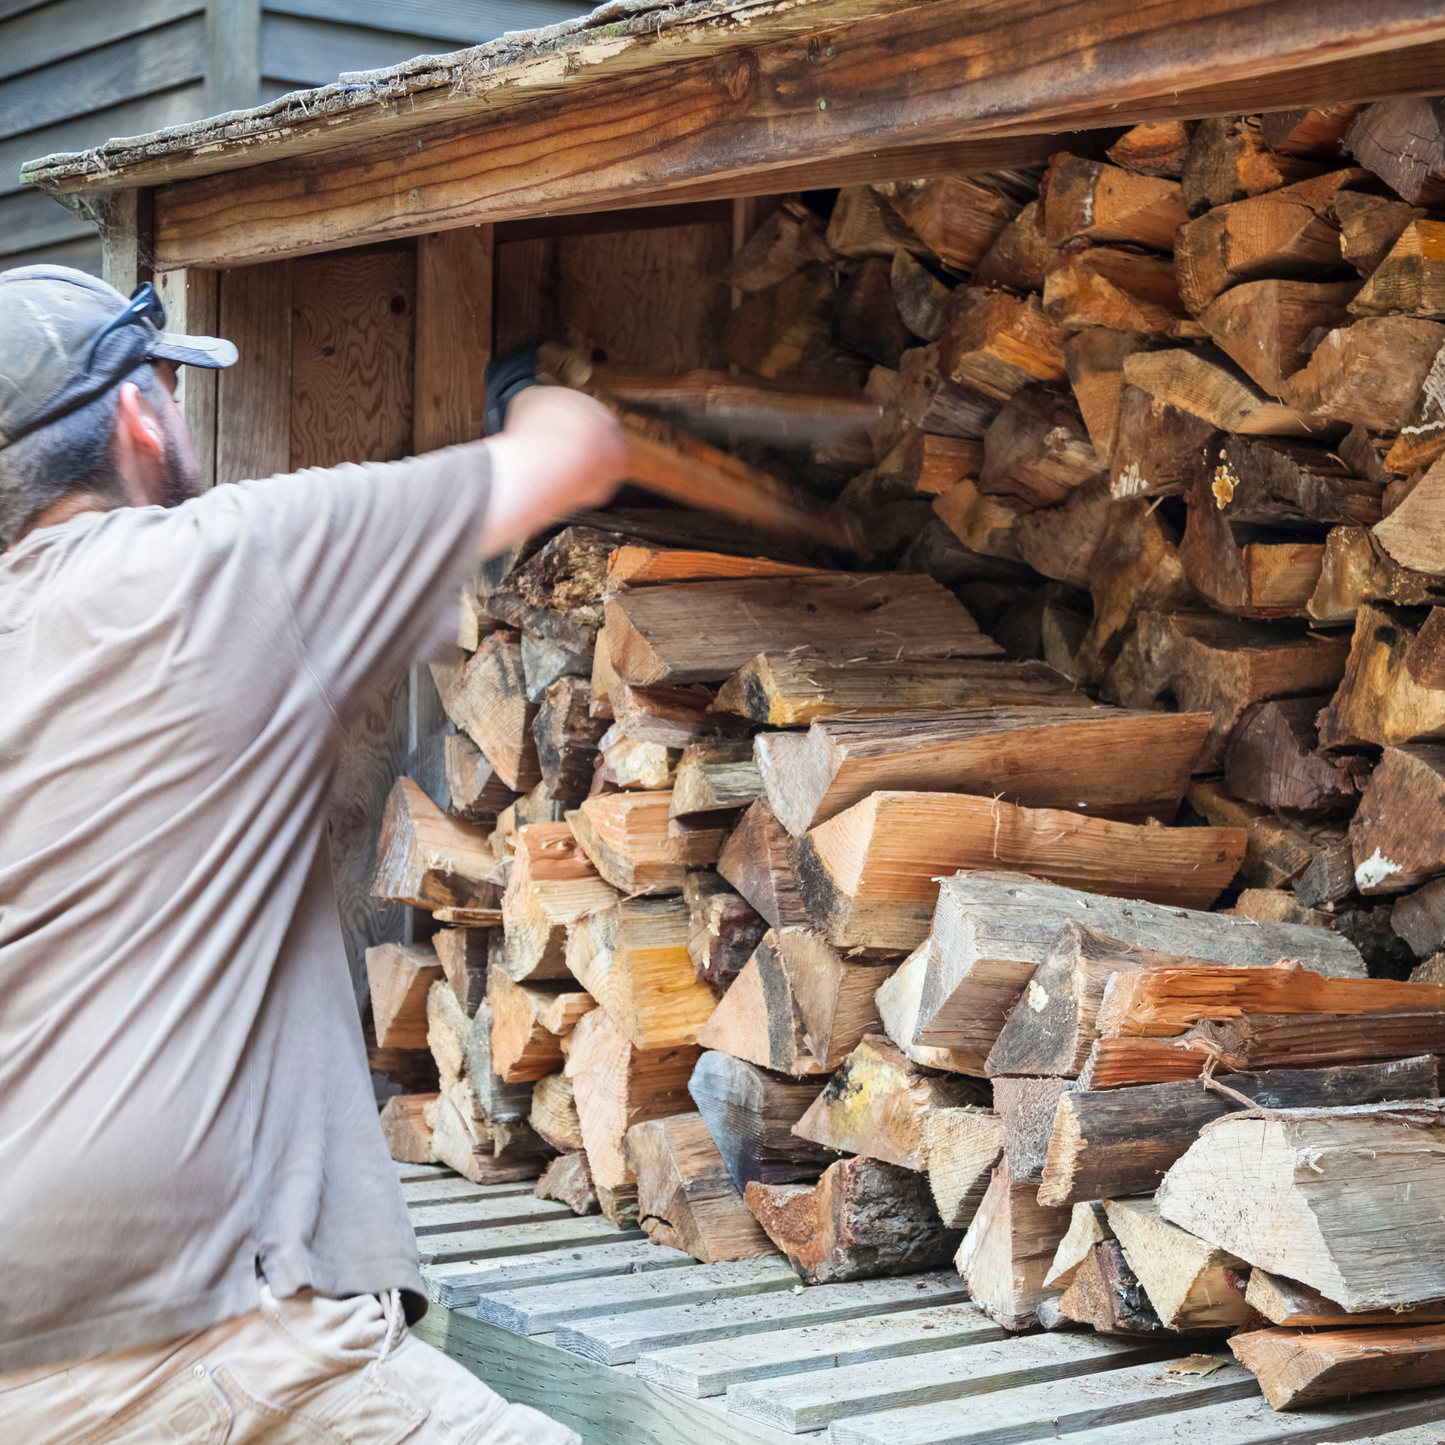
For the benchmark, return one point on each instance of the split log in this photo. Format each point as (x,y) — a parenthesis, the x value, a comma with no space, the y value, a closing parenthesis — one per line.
(631,763)
(864,1219)
(499,1101)
(1422,437)
(712,776)
(1020,256)
(1410,281)
(1407,534)
(1370,226)
(619,1205)
(1262,325)
(685,1198)
(523,1048)
(1314,132)
(672,717)
(723,929)
(638,847)
(428,860)
(480,1149)
(1229,159)
(1008,1250)
(791,238)
(1106,1295)
(1027,1107)
(833,996)
(1055,1025)
(1288,234)
(1288,1302)
(554,1115)
(474,791)
(1274,759)
(1115,289)
(769,334)
(1323,1196)
(983,524)
(603,678)
(1274,576)
(864,223)
(750,1113)
(403,1125)
(756,861)
(1221,665)
(447,1031)
(991,930)
(543,663)
(1357,569)
(994,345)
(956,217)
(566,737)
(918,294)
(553,884)
(654,636)
(877,1102)
(961,1147)
(637,564)
(866,319)
(398,976)
(898,1003)
(1378,701)
(931,402)
(1060,542)
(1082,198)
(1157,448)
(1088,1226)
(616,1086)
(464,954)
(1432,971)
(1402,142)
(569,1181)
(758,1019)
(1190,1284)
(927,465)
(1296,1370)
(1115,764)
(869,875)
(1036,449)
(488,701)
(1368,374)
(633,959)
(1155,148)
(1398,833)
(1095,361)
(1419,918)
(793,691)
(1114,1143)
(1209,385)
(533,807)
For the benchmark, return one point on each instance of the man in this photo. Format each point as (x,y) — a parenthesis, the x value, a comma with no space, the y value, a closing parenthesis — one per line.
(201,1234)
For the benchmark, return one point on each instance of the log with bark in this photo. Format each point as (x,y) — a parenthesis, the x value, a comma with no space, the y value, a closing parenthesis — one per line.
(758,1018)
(1264,326)
(566,735)
(1106,1295)
(1230,158)
(1411,279)
(723,929)
(465,955)
(1102,203)
(568,1180)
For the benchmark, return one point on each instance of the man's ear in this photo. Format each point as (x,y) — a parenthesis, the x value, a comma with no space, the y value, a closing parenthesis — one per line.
(138,425)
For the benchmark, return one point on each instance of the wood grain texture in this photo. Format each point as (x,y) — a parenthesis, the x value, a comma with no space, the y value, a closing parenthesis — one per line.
(192,306)
(454,276)
(253,406)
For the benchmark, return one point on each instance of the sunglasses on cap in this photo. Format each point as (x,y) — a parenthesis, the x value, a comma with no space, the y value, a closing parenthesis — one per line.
(145,308)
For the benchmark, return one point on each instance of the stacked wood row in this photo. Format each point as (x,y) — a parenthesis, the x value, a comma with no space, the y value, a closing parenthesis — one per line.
(1038,888)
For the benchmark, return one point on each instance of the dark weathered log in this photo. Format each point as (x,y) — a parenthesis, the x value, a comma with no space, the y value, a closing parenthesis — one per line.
(1368,374)
(723,929)
(790,238)
(756,862)
(863,1220)
(1419,918)
(1274,759)
(1082,198)
(932,403)
(1060,542)
(1370,226)
(1357,569)
(1008,1250)
(771,331)
(566,737)
(1155,148)
(1157,448)
(750,1113)
(1111,1143)
(1314,132)
(1229,159)
(1403,142)
(1274,481)
(919,296)
(867,319)
(1036,449)
(1263,325)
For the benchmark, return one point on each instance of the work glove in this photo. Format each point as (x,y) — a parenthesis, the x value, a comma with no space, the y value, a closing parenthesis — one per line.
(506,375)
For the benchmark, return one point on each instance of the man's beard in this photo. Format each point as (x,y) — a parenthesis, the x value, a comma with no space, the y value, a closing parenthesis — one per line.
(182,475)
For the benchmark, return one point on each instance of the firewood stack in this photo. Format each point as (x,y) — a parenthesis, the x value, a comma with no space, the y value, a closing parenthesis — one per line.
(1037,889)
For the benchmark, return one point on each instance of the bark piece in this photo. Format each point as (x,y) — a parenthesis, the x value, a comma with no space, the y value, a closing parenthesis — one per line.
(552,885)
(1221,665)
(877,1103)
(1117,289)
(1112,1143)
(956,217)
(637,846)
(554,1115)
(1324,1197)
(1115,764)
(569,1181)
(1296,1371)
(1158,448)
(961,1147)
(654,637)
(1410,281)
(1088,1226)
(616,1086)
(1020,256)
(723,929)
(428,860)
(488,701)
(1009,1248)
(1398,833)
(1155,148)
(398,976)
(633,959)
(1036,449)
(991,930)
(685,1198)
(750,1113)
(1274,759)
(854,899)
(1368,374)
(864,1219)
(403,1125)
(713,776)
(1262,325)
(1106,1295)
(463,954)
(1403,142)
(758,1020)
(1105,203)
(1378,701)
(756,861)
(1027,1107)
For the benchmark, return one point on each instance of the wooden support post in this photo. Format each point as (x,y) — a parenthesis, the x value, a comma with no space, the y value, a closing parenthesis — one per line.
(253,408)
(127,244)
(453,335)
(191,298)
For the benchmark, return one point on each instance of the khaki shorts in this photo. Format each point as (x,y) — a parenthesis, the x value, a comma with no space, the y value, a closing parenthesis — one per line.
(307,1369)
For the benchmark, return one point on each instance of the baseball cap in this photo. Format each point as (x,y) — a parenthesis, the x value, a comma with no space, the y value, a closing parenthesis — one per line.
(66,338)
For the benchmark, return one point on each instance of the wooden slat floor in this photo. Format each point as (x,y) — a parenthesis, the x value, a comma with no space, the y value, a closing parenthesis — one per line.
(632,1344)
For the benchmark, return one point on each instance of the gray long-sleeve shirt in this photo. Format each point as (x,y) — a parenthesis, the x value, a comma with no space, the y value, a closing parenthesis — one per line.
(185,1107)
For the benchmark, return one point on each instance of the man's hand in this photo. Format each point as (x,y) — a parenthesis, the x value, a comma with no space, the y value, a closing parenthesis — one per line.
(559,452)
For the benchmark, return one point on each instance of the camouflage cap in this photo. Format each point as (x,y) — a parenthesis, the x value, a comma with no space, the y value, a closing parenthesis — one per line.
(66,338)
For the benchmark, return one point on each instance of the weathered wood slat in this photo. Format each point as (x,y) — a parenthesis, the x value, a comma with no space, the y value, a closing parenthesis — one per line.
(429,1219)
(618,1340)
(460,1285)
(537,1310)
(568,1233)
(455,1190)
(709,1369)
